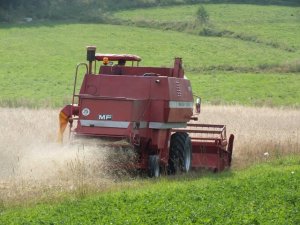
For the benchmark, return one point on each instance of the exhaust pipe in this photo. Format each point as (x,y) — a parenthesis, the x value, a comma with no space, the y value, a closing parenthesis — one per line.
(90,56)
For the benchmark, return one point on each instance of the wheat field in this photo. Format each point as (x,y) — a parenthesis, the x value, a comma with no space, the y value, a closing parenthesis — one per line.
(34,166)
(260,133)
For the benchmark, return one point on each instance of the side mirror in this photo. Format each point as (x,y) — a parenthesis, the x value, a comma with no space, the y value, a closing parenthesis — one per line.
(198,105)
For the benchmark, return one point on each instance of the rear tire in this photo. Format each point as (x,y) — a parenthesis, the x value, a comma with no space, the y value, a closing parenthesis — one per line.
(154,170)
(180,159)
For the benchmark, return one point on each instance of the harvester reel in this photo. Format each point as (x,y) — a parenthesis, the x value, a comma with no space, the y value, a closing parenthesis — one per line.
(154,170)
(180,153)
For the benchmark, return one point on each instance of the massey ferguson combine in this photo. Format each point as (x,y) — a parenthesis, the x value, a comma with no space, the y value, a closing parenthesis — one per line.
(152,108)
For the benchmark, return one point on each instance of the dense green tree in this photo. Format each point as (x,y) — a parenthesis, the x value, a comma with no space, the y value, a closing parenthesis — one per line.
(202,15)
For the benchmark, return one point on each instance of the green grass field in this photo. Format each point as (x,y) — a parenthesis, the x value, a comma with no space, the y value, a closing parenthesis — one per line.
(255,62)
(279,24)
(38,62)
(266,28)
(264,194)
(248,88)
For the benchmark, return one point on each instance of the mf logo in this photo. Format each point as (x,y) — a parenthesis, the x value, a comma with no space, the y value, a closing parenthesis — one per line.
(105,117)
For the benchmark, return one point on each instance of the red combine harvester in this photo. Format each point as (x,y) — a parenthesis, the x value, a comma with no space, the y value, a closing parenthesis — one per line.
(149,107)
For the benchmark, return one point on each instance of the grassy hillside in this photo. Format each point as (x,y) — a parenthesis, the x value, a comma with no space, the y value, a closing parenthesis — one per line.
(250,55)
(264,194)
(38,60)
(277,25)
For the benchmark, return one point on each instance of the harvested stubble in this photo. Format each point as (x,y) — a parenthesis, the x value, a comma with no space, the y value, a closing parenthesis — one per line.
(260,133)
(33,166)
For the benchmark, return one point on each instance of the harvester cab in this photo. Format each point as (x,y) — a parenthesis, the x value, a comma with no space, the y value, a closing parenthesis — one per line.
(152,108)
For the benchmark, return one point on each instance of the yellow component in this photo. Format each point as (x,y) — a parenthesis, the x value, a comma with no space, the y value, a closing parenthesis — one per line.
(105,61)
(63,122)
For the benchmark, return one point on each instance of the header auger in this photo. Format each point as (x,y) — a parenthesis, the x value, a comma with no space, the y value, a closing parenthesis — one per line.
(152,108)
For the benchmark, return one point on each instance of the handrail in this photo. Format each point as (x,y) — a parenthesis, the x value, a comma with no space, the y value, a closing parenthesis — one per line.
(73,97)
(75,79)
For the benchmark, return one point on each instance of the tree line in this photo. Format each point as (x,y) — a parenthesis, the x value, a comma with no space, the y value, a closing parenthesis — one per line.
(93,10)
(70,9)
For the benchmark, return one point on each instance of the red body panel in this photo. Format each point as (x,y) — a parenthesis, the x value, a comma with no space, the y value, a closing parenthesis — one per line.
(129,99)
(134,98)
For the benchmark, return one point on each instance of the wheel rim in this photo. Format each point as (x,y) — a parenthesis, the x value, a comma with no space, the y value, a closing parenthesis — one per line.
(156,167)
(156,171)
(187,155)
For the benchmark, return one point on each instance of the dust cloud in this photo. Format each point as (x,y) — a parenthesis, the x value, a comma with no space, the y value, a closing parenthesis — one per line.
(32,163)
(28,147)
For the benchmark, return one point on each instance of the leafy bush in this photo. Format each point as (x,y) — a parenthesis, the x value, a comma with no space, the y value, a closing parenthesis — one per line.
(202,15)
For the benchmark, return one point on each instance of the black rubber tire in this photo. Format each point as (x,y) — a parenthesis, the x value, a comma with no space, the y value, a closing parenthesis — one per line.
(180,158)
(154,168)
